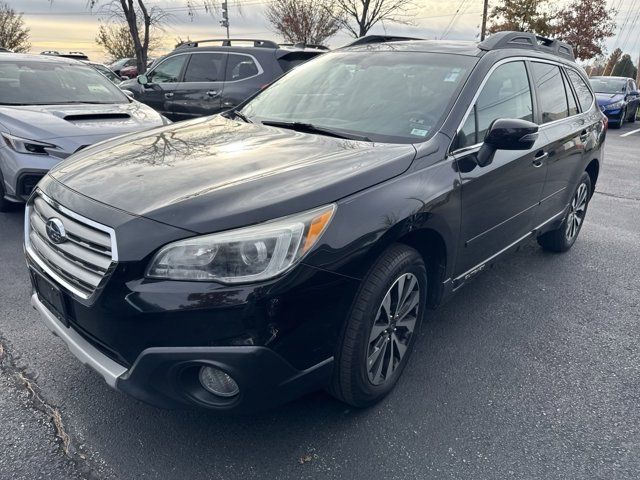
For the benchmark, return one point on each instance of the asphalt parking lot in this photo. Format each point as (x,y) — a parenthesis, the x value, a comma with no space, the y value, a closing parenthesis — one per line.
(531,372)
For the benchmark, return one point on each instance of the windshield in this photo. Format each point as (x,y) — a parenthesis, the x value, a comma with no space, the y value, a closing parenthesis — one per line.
(608,85)
(47,83)
(386,96)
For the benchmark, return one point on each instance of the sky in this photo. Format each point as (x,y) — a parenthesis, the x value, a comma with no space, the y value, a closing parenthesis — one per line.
(67,25)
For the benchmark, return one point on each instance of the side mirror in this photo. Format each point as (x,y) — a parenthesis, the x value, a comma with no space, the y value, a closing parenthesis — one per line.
(142,79)
(507,134)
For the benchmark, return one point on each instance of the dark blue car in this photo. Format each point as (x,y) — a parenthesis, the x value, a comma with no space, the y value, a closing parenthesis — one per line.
(617,97)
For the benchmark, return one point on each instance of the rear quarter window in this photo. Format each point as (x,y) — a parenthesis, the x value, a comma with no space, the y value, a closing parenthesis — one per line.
(585,97)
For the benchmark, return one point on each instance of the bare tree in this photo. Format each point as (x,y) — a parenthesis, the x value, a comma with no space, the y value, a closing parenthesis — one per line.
(308,21)
(115,40)
(141,16)
(14,35)
(358,16)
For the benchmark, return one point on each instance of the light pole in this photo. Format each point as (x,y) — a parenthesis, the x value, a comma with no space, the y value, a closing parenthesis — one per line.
(225,16)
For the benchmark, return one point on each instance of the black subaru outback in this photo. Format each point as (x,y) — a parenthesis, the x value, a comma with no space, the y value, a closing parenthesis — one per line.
(297,242)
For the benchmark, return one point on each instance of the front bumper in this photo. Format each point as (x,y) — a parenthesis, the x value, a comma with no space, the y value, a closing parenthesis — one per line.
(21,172)
(166,377)
(614,116)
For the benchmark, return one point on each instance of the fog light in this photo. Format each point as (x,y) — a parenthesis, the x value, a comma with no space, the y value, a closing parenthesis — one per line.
(218,382)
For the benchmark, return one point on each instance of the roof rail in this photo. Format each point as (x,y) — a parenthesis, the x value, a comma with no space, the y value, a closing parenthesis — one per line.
(527,40)
(368,39)
(228,42)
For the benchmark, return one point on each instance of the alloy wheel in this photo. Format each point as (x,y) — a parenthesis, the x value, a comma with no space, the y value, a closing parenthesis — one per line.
(577,211)
(392,328)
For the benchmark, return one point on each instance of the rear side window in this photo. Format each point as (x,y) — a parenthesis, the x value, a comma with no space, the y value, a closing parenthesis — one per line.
(167,71)
(205,67)
(293,59)
(552,96)
(506,94)
(585,98)
(240,67)
(573,106)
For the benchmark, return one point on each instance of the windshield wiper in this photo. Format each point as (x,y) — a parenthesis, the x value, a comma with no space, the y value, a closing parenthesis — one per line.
(310,128)
(241,116)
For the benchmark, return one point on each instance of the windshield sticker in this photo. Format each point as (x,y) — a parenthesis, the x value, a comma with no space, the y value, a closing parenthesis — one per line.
(419,132)
(453,75)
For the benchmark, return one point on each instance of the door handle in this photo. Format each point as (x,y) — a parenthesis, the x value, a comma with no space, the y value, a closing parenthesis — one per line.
(538,160)
(213,93)
(168,95)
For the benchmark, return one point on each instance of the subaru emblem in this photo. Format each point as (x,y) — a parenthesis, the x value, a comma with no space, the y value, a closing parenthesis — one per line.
(56,231)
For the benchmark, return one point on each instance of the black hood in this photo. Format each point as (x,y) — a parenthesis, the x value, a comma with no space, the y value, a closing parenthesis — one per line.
(214,173)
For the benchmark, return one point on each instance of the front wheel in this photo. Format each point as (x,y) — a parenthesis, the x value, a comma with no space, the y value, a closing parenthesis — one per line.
(380,332)
(562,238)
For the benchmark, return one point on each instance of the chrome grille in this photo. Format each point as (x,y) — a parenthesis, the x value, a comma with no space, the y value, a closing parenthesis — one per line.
(81,262)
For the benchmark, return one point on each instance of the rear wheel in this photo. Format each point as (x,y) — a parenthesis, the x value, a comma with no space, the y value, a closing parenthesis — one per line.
(562,238)
(381,329)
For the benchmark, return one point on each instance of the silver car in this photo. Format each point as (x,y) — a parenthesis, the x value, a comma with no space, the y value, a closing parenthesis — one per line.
(52,107)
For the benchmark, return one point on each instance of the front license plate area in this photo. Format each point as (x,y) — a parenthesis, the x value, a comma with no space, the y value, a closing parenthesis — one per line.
(51,296)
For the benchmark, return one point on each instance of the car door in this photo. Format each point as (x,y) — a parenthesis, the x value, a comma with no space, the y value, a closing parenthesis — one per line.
(500,199)
(200,92)
(633,99)
(159,90)
(244,77)
(567,131)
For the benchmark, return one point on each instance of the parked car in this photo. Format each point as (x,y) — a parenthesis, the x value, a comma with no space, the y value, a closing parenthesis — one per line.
(106,71)
(297,242)
(618,98)
(197,80)
(122,63)
(51,107)
(132,70)
(73,55)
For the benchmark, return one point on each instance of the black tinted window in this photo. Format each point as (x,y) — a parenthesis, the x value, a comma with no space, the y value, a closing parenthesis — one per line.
(582,90)
(506,94)
(168,71)
(552,97)
(240,67)
(205,67)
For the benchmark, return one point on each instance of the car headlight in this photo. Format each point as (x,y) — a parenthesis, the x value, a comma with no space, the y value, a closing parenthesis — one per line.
(25,145)
(248,254)
(614,106)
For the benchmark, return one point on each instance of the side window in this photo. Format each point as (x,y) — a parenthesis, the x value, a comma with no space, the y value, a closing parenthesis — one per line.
(582,90)
(573,106)
(240,67)
(552,97)
(205,67)
(168,71)
(506,94)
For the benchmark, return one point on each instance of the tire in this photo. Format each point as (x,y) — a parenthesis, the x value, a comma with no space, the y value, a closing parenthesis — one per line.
(623,117)
(356,381)
(562,238)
